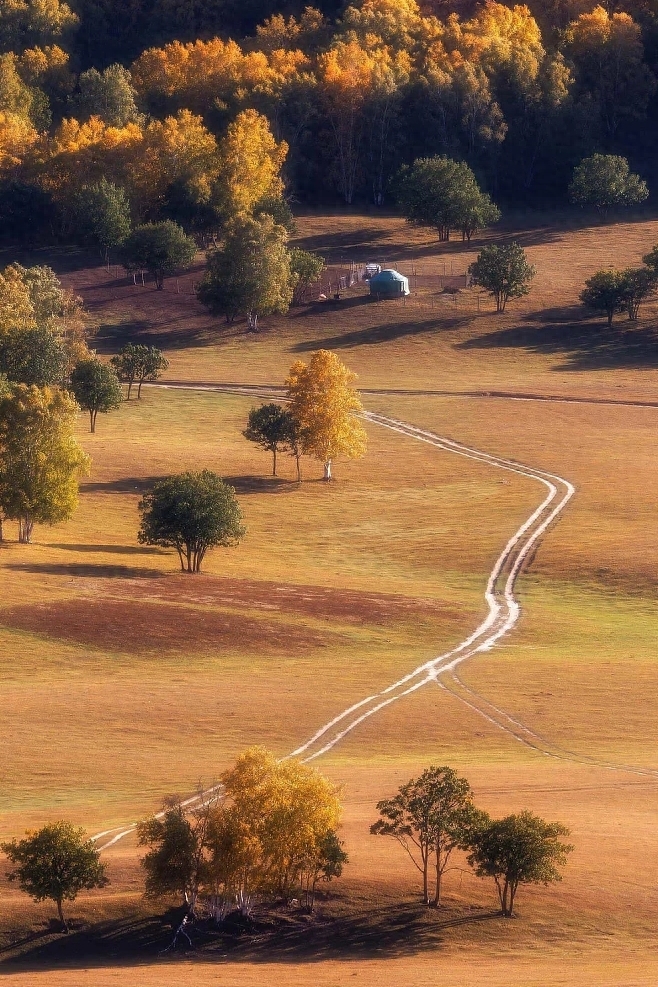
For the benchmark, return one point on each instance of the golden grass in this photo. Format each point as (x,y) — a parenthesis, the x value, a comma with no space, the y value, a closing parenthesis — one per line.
(98,727)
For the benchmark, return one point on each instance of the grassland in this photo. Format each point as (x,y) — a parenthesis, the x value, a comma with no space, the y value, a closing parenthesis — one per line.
(122,680)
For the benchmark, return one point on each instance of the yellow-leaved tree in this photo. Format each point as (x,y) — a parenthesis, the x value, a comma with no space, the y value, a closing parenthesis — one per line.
(324,404)
(249,164)
(285,812)
(40,460)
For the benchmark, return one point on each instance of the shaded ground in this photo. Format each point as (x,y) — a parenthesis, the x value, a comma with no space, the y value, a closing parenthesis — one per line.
(285,935)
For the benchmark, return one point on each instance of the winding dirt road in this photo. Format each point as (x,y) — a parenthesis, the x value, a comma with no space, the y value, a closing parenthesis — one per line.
(502,606)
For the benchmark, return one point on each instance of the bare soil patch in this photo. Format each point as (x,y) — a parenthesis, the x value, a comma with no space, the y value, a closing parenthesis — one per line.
(320,602)
(145,627)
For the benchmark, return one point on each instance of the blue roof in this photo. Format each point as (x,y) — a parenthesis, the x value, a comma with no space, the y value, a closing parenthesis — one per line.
(388,275)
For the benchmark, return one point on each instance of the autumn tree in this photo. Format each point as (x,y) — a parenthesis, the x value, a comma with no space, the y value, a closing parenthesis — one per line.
(324,404)
(268,426)
(95,387)
(33,22)
(289,810)
(605,292)
(250,272)
(504,272)
(430,817)
(191,512)
(444,194)
(40,461)
(250,162)
(136,363)
(519,849)
(159,248)
(607,52)
(605,181)
(57,862)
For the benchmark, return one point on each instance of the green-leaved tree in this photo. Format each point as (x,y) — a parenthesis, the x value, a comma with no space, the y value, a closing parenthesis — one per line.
(57,863)
(519,849)
(191,512)
(250,274)
(96,387)
(444,194)
(159,248)
(504,272)
(605,181)
(430,816)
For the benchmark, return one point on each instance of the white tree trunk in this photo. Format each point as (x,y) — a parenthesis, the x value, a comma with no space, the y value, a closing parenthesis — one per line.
(327,470)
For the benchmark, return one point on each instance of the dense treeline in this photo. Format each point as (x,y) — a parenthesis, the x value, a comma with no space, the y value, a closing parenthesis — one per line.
(199,125)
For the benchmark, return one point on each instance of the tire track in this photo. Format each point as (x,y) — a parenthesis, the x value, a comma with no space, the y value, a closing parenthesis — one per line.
(503,608)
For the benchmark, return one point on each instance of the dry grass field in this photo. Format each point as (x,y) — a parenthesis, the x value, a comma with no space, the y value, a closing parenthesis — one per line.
(122,680)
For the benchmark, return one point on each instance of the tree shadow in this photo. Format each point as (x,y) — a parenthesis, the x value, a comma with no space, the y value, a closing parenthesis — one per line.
(385,333)
(168,334)
(126,484)
(109,549)
(388,932)
(585,345)
(84,570)
(246,484)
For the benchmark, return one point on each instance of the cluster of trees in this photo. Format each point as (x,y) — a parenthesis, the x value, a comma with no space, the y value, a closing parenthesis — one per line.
(47,374)
(194,512)
(612,291)
(198,127)
(433,815)
(320,419)
(269,830)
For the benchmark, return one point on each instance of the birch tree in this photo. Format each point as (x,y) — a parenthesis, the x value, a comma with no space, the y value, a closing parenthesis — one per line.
(324,403)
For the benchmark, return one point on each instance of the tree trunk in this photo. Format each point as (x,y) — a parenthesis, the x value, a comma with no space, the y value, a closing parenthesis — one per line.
(274,461)
(1,531)
(299,469)
(61,916)
(139,390)
(92,418)
(426,896)
(25,526)
(439,875)
(610,315)
(130,385)
(327,470)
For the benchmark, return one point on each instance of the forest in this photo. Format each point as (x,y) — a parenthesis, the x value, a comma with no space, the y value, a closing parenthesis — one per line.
(191,112)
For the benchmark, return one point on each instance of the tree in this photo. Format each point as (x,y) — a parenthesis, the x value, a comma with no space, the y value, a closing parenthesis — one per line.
(101,216)
(605,181)
(56,863)
(639,283)
(503,271)
(139,363)
(306,269)
(269,427)
(325,861)
(109,95)
(33,356)
(519,849)
(444,194)
(159,248)
(249,164)
(191,512)
(250,273)
(40,461)
(324,404)
(177,859)
(96,387)
(287,811)
(430,817)
(605,292)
